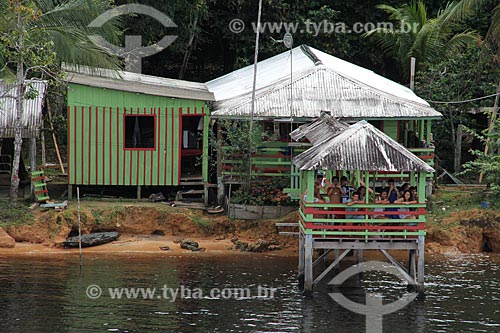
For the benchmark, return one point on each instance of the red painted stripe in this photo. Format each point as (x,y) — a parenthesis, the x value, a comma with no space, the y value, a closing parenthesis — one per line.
(195,110)
(68,154)
(151,152)
(118,149)
(103,135)
(82,143)
(158,145)
(189,111)
(203,112)
(172,149)
(180,147)
(90,146)
(129,154)
(144,163)
(96,145)
(74,145)
(166,147)
(138,157)
(110,146)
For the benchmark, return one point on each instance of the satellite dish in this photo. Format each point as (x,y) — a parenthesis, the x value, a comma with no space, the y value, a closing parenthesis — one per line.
(288,40)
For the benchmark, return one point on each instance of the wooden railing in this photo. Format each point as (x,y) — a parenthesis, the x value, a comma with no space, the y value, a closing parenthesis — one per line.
(271,159)
(426,154)
(334,221)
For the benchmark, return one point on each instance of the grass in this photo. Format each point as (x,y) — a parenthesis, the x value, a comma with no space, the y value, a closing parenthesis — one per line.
(450,199)
(205,225)
(12,216)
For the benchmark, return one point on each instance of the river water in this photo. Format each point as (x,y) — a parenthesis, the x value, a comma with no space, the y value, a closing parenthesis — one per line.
(49,295)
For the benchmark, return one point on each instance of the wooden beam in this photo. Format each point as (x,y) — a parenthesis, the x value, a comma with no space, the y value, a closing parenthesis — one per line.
(375,245)
(308,265)
(318,260)
(398,266)
(421,265)
(301,254)
(332,266)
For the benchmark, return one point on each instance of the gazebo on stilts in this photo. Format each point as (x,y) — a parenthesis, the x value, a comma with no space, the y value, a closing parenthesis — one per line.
(369,156)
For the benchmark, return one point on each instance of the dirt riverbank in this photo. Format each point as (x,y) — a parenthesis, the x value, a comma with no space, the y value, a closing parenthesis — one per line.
(145,227)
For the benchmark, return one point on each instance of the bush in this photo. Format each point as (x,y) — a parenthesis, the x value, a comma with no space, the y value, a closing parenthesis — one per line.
(263,192)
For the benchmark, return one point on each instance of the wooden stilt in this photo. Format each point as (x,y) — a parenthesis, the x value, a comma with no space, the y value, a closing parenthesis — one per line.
(420,266)
(138,192)
(205,195)
(360,256)
(301,254)
(336,253)
(411,264)
(308,265)
(70,192)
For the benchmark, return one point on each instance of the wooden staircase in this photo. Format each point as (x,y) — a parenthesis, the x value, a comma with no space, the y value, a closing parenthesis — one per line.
(41,192)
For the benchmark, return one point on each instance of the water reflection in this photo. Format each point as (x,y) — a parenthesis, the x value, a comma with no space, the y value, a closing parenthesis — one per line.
(48,295)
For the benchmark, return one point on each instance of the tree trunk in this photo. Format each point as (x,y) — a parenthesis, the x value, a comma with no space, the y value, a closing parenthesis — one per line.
(458,149)
(189,48)
(18,139)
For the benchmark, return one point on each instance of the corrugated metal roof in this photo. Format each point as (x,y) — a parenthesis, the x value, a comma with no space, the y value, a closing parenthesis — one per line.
(32,110)
(321,82)
(360,147)
(138,83)
(319,130)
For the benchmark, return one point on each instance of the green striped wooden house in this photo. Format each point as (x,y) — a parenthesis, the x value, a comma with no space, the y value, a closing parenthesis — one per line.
(297,86)
(128,129)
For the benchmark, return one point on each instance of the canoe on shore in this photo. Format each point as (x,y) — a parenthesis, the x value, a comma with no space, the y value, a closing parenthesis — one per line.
(94,239)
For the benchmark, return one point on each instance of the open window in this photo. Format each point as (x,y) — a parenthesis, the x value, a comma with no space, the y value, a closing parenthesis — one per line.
(140,132)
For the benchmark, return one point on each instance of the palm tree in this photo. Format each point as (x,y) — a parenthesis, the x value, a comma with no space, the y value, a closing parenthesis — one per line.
(416,35)
(38,35)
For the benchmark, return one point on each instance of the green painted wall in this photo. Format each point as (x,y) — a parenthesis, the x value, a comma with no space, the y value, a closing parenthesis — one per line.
(391,128)
(96,154)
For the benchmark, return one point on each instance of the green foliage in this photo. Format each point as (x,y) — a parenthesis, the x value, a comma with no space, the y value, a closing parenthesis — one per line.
(488,164)
(237,144)
(263,192)
(418,35)
(14,215)
(205,225)
(21,48)
(467,74)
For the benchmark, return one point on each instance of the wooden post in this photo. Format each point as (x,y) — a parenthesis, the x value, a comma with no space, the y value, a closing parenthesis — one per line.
(360,256)
(32,161)
(42,143)
(429,131)
(138,192)
(308,265)
(412,178)
(421,129)
(411,264)
(220,183)
(420,265)
(301,254)
(421,187)
(70,192)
